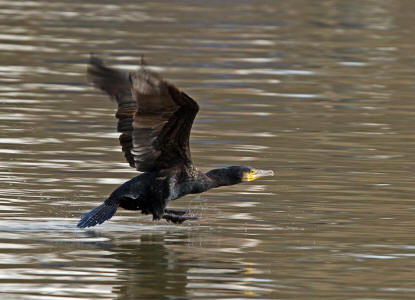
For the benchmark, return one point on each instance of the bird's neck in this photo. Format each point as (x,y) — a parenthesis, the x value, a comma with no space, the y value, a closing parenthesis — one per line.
(197,182)
(219,177)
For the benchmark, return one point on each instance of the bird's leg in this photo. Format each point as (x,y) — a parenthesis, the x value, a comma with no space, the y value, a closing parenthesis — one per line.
(178,219)
(178,212)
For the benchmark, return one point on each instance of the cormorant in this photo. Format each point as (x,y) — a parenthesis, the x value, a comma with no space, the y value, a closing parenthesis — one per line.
(155,119)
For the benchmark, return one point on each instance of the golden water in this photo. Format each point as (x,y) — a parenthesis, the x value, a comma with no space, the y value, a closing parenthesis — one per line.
(319,91)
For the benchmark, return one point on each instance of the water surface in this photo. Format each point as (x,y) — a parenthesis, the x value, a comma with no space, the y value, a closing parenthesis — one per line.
(320,92)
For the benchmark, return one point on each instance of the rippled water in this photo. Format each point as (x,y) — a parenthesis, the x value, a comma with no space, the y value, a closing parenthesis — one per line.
(319,91)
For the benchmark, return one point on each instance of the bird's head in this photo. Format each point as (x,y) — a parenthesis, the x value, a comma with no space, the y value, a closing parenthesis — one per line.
(242,173)
(236,174)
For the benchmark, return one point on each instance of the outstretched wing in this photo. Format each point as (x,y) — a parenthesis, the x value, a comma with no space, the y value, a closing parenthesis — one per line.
(117,85)
(154,117)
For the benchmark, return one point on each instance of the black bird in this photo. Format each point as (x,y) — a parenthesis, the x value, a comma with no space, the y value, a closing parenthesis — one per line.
(155,119)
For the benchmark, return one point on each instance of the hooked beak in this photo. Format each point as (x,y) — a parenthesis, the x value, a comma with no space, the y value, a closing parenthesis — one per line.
(255,174)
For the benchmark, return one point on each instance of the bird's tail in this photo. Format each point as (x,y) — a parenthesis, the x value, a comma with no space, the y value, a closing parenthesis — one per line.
(99,214)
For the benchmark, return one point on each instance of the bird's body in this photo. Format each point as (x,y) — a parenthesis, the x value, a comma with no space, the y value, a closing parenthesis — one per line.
(151,191)
(155,119)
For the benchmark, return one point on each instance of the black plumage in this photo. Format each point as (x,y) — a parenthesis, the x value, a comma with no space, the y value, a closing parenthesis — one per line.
(155,120)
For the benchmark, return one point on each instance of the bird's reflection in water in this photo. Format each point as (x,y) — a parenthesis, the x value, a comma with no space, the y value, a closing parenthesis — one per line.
(180,265)
(150,270)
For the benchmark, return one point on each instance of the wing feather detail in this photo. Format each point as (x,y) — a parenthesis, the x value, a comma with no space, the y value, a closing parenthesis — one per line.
(117,85)
(154,117)
(161,124)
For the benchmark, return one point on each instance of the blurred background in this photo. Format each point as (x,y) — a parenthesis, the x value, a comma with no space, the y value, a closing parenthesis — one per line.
(319,91)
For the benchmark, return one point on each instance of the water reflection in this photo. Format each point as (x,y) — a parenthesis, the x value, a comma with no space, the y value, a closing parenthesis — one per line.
(320,91)
(149,266)
(164,265)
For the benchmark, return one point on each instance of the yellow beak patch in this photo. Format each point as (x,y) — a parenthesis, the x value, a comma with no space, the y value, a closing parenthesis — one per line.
(252,175)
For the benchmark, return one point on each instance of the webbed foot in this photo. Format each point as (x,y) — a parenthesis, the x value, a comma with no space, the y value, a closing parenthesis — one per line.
(177,219)
(178,212)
